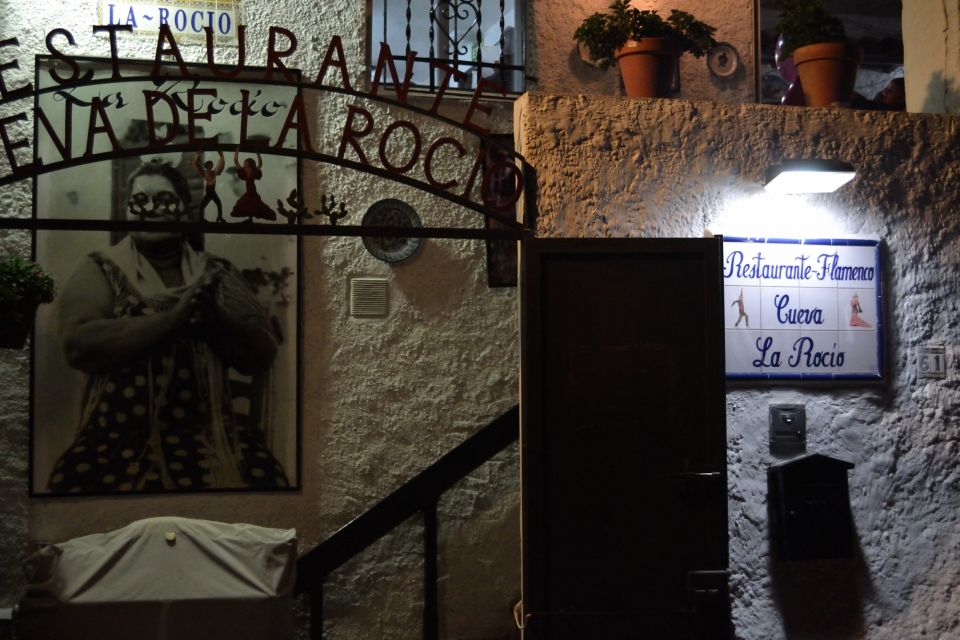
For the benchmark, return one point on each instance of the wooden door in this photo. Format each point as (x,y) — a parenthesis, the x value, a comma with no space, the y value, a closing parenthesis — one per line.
(623,440)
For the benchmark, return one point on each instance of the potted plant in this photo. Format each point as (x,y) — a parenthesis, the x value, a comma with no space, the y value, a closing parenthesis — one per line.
(645,46)
(24,285)
(826,61)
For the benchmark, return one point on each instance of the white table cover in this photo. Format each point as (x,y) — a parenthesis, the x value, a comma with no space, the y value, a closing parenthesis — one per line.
(164,579)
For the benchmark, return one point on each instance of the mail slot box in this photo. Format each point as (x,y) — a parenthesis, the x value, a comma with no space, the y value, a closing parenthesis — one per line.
(809,501)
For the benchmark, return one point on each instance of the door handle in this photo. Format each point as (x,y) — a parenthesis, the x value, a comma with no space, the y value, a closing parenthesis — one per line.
(696,474)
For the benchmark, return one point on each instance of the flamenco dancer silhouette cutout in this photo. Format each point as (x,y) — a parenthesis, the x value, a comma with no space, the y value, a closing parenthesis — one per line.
(250,205)
(209,173)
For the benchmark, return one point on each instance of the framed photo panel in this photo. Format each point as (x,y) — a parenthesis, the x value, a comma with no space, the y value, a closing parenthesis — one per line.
(167,362)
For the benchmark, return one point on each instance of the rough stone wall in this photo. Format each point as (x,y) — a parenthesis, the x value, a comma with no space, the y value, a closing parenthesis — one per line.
(554,61)
(666,168)
(14,505)
(381,398)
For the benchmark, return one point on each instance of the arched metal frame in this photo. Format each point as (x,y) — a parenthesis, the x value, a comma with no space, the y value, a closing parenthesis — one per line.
(514,230)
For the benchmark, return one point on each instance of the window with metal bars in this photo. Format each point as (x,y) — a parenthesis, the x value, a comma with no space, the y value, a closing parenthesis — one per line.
(476,38)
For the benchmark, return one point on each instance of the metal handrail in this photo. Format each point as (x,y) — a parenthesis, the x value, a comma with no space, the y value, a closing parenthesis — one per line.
(419,495)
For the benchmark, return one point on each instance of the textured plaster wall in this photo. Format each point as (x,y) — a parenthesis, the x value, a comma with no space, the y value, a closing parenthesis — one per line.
(665,168)
(556,64)
(381,398)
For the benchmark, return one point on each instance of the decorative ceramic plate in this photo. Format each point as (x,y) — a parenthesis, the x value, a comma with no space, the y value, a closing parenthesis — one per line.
(391,213)
(723,60)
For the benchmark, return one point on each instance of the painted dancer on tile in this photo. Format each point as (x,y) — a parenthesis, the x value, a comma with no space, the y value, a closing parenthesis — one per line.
(855,311)
(742,311)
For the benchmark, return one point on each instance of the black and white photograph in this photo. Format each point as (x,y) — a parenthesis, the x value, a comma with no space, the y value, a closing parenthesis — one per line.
(167,361)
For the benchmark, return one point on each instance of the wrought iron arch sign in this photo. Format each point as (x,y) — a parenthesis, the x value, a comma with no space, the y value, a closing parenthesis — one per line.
(353,150)
(387,142)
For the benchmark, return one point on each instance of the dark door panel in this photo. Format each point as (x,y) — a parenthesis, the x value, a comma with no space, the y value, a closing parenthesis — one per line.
(623,434)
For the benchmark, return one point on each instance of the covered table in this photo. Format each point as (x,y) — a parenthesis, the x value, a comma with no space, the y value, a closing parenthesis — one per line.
(163,579)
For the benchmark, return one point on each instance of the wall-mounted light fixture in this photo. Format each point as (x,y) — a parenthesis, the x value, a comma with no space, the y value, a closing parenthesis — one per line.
(808,176)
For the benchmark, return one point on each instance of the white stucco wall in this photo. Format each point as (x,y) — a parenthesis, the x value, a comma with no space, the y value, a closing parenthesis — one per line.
(931,55)
(384,398)
(556,64)
(381,398)
(667,168)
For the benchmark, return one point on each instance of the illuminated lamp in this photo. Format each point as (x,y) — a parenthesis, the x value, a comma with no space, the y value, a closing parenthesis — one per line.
(808,176)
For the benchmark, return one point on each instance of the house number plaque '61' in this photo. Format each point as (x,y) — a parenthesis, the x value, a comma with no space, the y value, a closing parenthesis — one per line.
(931,362)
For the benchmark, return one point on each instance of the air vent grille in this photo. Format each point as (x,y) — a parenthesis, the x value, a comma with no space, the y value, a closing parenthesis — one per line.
(368,297)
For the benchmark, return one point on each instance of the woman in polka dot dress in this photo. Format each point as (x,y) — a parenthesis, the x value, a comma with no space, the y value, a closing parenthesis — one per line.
(156,326)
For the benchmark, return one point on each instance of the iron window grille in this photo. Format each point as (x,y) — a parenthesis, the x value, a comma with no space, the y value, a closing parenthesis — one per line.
(477,38)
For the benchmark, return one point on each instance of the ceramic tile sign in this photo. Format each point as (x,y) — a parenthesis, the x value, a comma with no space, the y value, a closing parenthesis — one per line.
(802,309)
(186,18)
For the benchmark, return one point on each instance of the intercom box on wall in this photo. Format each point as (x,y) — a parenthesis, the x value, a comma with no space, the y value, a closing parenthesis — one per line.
(788,428)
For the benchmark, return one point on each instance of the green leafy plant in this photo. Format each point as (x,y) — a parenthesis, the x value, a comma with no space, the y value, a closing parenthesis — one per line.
(804,22)
(23,286)
(603,33)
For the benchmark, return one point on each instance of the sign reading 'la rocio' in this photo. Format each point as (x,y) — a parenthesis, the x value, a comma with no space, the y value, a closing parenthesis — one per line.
(803,309)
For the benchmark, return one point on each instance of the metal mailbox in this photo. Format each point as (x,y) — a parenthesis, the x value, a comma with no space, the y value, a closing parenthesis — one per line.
(809,500)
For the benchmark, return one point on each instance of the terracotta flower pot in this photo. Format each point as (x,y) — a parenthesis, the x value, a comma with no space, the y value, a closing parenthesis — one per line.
(647,67)
(14,336)
(828,72)
(15,326)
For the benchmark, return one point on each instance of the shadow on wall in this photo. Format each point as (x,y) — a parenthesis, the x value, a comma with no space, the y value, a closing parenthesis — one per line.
(821,599)
(938,94)
(587,74)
